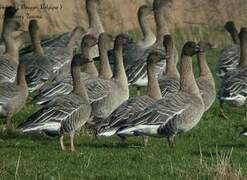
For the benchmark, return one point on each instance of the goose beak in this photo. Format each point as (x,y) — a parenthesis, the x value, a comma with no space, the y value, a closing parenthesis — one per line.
(199,49)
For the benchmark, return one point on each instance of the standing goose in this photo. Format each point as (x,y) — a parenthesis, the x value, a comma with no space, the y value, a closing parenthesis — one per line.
(205,82)
(39,67)
(136,70)
(88,70)
(169,82)
(64,114)
(13,95)
(178,113)
(229,56)
(132,106)
(10,59)
(135,49)
(233,88)
(109,94)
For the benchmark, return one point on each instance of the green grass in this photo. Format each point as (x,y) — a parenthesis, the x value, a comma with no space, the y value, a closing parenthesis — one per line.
(196,155)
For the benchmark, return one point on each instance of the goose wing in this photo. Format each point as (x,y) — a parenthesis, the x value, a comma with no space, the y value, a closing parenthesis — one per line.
(8,70)
(234,84)
(169,86)
(48,118)
(228,59)
(7,92)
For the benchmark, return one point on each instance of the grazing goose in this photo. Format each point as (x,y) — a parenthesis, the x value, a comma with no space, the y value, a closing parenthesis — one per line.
(39,67)
(205,82)
(136,70)
(13,95)
(64,114)
(169,82)
(132,106)
(229,56)
(233,88)
(89,70)
(178,113)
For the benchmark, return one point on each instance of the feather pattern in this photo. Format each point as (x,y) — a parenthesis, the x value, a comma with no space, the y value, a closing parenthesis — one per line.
(228,60)
(8,70)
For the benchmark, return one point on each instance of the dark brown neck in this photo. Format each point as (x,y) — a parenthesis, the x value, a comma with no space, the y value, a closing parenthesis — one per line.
(119,71)
(78,86)
(161,24)
(21,76)
(94,19)
(10,44)
(105,71)
(145,27)
(171,67)
(243,56)
(234,35)
(203,65)
(36,43)
(89,68)
(153,88)
(187,78)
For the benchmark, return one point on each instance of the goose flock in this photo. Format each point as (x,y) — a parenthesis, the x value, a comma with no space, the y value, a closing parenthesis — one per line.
(72,92)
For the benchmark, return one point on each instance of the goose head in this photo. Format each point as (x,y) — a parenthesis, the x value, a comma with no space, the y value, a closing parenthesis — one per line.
(155,57)
(190,49)
(106,40)
(205,45)
(158,4)
(145,10)
(77,60)
(230,26)
(89,41)
(10,11)
(92,4)
(123,39)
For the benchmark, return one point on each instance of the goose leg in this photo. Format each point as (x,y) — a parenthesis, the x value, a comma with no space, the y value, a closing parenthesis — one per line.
(171,141)
(123,139)
(145,139)
(72,146)
(61,143)
(222,114)
(138,91)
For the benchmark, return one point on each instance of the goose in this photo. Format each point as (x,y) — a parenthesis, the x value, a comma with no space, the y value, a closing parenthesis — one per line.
(39,66)
(205,82)
(113,92)
(89,70)
(178,113)
(169,82)
(13,95)
(129,108)
(229,56)
(136,70)
(10,59)
(233,87)
(64,114)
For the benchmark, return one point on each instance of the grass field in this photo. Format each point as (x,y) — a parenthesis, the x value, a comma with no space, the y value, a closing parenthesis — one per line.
(212,150)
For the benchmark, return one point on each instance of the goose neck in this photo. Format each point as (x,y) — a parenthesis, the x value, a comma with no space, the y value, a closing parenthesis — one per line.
(119,72)
(78,85)
(234,35)
(153,88)
(171,67)
(36,43)
(105,71)
(187,78)
(94,19)
(161,25)
(203,65)
(89,68)
(21,75)
(243,54)
(10,44)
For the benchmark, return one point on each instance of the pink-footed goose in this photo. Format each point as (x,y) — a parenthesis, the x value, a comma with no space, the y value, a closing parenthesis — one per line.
(13,95)
(233,86)
(176,114)
(205,82)
(230,55)
(112,124)
(136,70)
(88,70)
(64,114)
